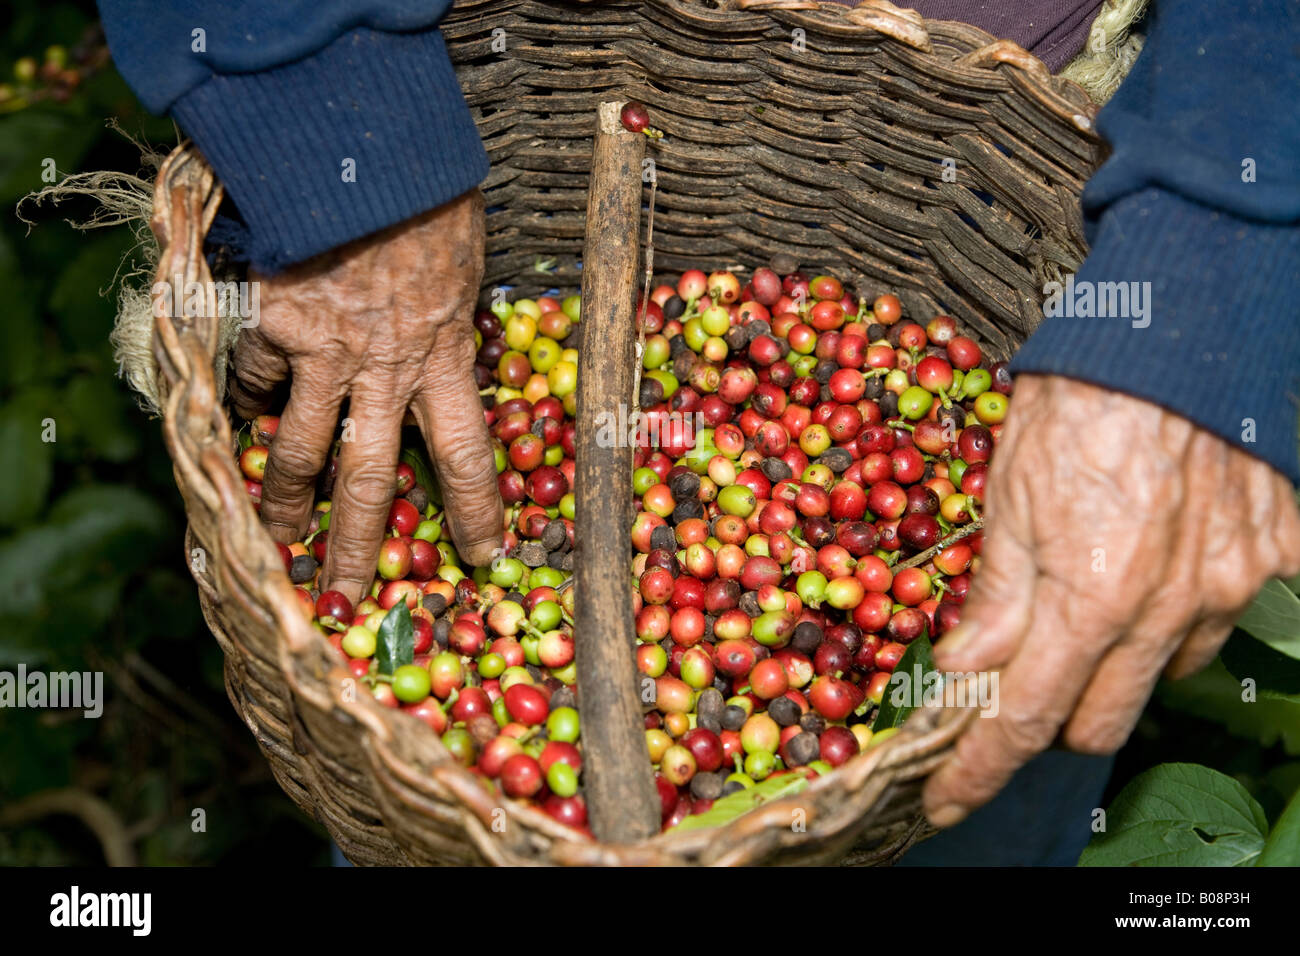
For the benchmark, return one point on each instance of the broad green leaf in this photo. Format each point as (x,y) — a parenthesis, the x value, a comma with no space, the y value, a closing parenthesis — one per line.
(901,694)
(1180,814)
(1274,618)
(396,639)
(728,808)
(1283,846)
(1274,674)
(1214,694)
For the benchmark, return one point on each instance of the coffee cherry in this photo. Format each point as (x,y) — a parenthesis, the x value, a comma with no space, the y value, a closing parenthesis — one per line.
(359,642)
(635,117)
(678,765)
(963,353)
(521,776)
(837,745)
(831,697)
(411,683)
(252,462)
(760,733)
(887,309)
(991,408)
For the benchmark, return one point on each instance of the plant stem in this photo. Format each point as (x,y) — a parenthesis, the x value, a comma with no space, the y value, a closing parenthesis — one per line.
(964,532)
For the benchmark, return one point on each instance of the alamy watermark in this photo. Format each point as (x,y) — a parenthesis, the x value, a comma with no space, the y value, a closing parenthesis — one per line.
(179,298)
(58,689)
(74,909)
(945,689)
(624,427)
(1098,300)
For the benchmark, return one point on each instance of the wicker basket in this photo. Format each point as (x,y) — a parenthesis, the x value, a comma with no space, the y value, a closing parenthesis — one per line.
(774,115)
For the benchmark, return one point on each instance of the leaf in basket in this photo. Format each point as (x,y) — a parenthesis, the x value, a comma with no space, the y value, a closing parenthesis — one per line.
(728,808)
(1180,814)
(423,473)
(901,697)
(396,640)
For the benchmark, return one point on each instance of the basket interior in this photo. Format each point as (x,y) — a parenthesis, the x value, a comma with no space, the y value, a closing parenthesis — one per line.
(954,186)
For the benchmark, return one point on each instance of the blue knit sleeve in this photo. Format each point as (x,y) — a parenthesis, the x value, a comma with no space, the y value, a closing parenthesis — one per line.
(1189,296)
(326,121)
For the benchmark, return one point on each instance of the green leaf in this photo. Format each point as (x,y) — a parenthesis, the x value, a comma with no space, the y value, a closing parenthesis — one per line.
(25,423)
(900,695)
(1214,694)
(1274,674)
(64,577)
(1180,814)
(1283,846)
(424,476)
(729,807)
(396,640)
(1274,618)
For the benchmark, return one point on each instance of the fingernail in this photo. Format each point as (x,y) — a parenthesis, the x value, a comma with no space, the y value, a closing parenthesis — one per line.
(481,552)
(948,815)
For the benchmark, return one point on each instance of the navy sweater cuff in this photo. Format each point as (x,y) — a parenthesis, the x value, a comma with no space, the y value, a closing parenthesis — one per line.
(366,133)
(1220,341)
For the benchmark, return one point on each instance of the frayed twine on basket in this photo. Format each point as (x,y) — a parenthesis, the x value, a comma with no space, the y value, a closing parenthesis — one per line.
(123,199)
(1114,42)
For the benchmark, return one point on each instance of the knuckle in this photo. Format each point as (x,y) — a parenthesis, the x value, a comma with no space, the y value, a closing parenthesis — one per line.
(1228,592)
(1024,733)
(368,485)
(468,466)
(293,464)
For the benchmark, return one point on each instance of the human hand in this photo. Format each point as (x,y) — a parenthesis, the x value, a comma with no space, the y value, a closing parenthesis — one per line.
(1121,542)
(386,323)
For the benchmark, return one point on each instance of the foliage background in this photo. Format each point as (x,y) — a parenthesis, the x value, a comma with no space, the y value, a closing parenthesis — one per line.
(93,573)
(91,558)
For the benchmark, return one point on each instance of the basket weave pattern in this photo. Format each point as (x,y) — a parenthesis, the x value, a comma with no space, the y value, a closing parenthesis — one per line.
(760,141)
(827,143)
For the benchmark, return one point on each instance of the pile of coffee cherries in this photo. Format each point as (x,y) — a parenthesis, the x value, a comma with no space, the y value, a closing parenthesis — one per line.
(808,475)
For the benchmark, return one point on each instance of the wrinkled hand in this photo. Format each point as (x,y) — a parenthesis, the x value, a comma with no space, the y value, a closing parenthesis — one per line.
(1121,542)
(386,323)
